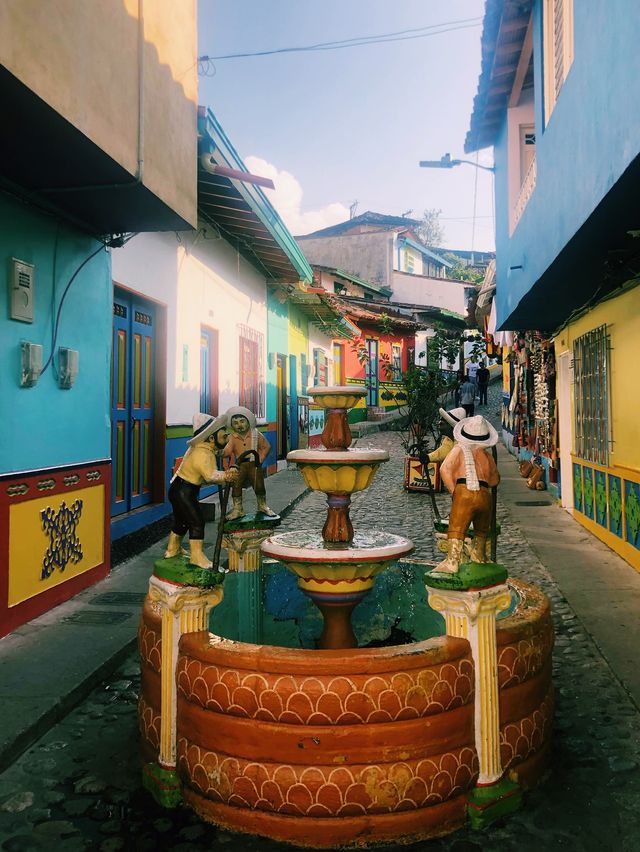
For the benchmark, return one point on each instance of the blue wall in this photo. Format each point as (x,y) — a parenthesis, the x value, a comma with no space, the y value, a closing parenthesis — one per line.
(45,426)
(592,136)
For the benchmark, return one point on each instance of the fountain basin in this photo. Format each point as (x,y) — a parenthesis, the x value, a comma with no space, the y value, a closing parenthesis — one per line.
(337,396)
(330,749)
(333,573)
(338,471)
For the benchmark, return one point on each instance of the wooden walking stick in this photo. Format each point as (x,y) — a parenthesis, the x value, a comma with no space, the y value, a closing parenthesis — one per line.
(224,499)
(494,511)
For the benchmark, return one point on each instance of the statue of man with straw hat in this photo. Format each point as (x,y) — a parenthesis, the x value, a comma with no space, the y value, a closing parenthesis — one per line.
(469,472)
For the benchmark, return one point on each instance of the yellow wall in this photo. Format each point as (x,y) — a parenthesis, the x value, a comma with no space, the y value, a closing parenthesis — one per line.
(622,318)
(299,343)
(81,57)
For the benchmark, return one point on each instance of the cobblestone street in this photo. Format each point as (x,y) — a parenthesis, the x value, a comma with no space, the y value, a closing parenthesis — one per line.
(79,786)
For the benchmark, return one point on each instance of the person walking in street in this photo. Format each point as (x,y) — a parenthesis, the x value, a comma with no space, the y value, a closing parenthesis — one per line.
(468,396)
(482,379)
(472,372)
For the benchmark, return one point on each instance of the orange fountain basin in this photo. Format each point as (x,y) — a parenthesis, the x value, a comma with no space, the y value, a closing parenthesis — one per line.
(338,471)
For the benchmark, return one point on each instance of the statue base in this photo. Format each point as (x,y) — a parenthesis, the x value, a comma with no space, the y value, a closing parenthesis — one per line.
(178,569)
(162,784)
(487,804)
(470,576)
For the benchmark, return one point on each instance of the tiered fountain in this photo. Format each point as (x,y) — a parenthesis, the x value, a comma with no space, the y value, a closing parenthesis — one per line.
(338,568)
(347,747)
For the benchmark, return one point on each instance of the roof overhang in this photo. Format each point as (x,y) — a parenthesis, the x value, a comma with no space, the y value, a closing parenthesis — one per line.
(316,304)
(505,32)
(377,289)
(240,210)
(52,165)
(602,257)
(425,251)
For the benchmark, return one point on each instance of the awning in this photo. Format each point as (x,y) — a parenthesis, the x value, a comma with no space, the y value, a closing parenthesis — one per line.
(316,304)
(241,211)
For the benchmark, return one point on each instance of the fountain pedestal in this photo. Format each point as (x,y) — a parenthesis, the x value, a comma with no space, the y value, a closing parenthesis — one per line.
(336,570)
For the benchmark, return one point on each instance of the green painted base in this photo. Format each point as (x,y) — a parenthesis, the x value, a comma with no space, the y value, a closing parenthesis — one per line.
(487,804)
(442,526)
(254,521)
(179,570)
(471,575)
(162,784)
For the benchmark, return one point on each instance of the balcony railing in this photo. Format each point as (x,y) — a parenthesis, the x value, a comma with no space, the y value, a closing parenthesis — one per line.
(526,190)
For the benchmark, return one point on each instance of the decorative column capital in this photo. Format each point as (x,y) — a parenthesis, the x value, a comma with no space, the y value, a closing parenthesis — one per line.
(470,604)
(175,598)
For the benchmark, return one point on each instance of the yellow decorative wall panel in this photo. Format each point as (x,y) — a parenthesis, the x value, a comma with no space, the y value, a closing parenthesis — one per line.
(45,534)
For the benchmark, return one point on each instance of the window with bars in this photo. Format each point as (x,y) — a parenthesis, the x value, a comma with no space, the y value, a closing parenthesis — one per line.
(320,367)
(251,369)
(396,362)
(591,394)
(558,49)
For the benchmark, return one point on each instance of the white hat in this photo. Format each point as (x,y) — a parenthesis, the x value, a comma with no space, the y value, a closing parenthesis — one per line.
(475,432)
(204,425)
(454,416)
(241,411)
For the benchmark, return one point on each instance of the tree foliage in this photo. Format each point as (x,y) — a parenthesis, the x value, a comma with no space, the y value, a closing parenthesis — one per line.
(430,230)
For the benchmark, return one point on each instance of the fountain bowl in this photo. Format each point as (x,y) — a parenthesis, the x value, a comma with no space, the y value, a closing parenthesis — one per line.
(337,396)
(338,471)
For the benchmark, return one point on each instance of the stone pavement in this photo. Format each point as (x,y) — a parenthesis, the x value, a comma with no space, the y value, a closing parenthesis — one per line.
(78,787)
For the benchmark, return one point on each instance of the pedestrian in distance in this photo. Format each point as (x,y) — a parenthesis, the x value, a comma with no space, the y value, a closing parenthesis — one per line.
(482,377)
(468,396)
(472,371)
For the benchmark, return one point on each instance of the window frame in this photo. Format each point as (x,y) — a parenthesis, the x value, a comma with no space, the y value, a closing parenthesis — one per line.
(552,88)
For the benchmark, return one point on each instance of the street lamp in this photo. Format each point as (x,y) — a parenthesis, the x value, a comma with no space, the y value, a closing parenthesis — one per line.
(445,162)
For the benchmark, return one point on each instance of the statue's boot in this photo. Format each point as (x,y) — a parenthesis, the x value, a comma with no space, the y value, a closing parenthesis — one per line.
(262,507)
(452,563)
(173,546)
(237,511)
(478,549)
(197,555)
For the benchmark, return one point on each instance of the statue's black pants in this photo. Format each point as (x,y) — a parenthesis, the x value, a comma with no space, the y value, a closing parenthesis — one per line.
(187,514)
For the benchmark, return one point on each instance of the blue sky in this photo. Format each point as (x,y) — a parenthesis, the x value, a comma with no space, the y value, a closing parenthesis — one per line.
(333,127)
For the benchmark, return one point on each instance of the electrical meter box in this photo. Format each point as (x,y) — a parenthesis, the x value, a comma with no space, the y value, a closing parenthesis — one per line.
(21,295)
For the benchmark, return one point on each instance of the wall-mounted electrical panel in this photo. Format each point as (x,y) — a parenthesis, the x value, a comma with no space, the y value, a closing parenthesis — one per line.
(21,292)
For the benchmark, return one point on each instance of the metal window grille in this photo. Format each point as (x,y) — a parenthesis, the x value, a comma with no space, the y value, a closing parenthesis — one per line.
(251,369)
(591,387)
(396,362)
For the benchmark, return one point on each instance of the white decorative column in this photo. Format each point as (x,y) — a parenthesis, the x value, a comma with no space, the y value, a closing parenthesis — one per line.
(471,615)
(470,602)
(184,609)
(243,548)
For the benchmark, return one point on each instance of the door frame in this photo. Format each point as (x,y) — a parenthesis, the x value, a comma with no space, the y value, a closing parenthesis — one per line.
(159,421)
(214,367)
(565,429)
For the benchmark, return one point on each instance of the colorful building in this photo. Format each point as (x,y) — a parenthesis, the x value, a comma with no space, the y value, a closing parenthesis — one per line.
(83,165)
(566,237)
(212,294)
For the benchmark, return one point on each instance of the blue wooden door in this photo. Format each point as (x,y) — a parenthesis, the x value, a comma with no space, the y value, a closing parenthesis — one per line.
(372,371)
(205,371)
(132,406)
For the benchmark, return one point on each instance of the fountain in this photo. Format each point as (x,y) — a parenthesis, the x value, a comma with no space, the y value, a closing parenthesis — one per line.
(343,746)
(338,568)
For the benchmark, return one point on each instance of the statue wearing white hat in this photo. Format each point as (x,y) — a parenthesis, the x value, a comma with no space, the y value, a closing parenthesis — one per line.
(199,466)
(469,472)
(448,419)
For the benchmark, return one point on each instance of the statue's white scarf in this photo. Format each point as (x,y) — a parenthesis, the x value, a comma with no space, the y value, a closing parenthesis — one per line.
(470,468)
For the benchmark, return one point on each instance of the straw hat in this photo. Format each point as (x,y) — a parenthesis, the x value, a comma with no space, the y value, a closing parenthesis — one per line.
(204,425)
(454,416)
(475,432)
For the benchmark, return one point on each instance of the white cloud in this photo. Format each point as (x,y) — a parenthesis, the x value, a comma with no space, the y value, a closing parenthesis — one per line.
(287,199)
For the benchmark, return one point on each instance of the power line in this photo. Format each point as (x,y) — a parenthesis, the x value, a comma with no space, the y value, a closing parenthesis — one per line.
(359,41)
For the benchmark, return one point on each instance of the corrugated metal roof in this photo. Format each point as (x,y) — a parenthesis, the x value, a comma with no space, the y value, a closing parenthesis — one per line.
(242,212)
(324,312)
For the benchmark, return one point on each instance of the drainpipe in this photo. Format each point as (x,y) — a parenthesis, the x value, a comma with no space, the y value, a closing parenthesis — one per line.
(140,168)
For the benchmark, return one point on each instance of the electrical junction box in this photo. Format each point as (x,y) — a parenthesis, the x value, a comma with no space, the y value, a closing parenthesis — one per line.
(21,295)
